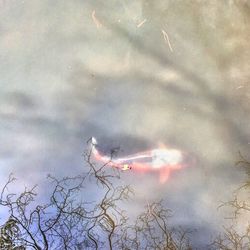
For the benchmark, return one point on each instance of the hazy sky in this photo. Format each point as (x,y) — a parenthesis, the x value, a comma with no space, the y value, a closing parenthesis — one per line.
(132,74)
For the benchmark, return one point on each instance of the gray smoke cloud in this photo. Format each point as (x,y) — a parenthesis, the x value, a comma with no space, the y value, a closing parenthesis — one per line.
(132,74)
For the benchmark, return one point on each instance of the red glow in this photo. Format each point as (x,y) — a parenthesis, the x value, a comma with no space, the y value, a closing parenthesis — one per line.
(163,160)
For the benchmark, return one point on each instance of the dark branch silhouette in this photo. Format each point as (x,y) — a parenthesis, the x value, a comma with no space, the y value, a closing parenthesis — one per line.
(232,238)
(70,221)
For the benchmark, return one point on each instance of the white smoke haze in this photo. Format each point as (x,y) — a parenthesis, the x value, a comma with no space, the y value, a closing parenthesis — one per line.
(133,74)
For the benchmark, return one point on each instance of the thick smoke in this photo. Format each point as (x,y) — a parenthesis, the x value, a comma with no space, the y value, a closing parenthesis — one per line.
(132,74)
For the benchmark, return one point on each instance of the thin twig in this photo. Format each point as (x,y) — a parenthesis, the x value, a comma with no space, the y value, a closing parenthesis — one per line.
(166,38)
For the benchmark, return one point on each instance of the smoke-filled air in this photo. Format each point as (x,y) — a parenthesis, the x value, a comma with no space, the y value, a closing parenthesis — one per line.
(124,124)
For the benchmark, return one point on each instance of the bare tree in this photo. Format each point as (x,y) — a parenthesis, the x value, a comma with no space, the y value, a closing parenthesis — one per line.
(69,220)
(65,222)
(153,231)
(231,238)
(53,225)
(109,218)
